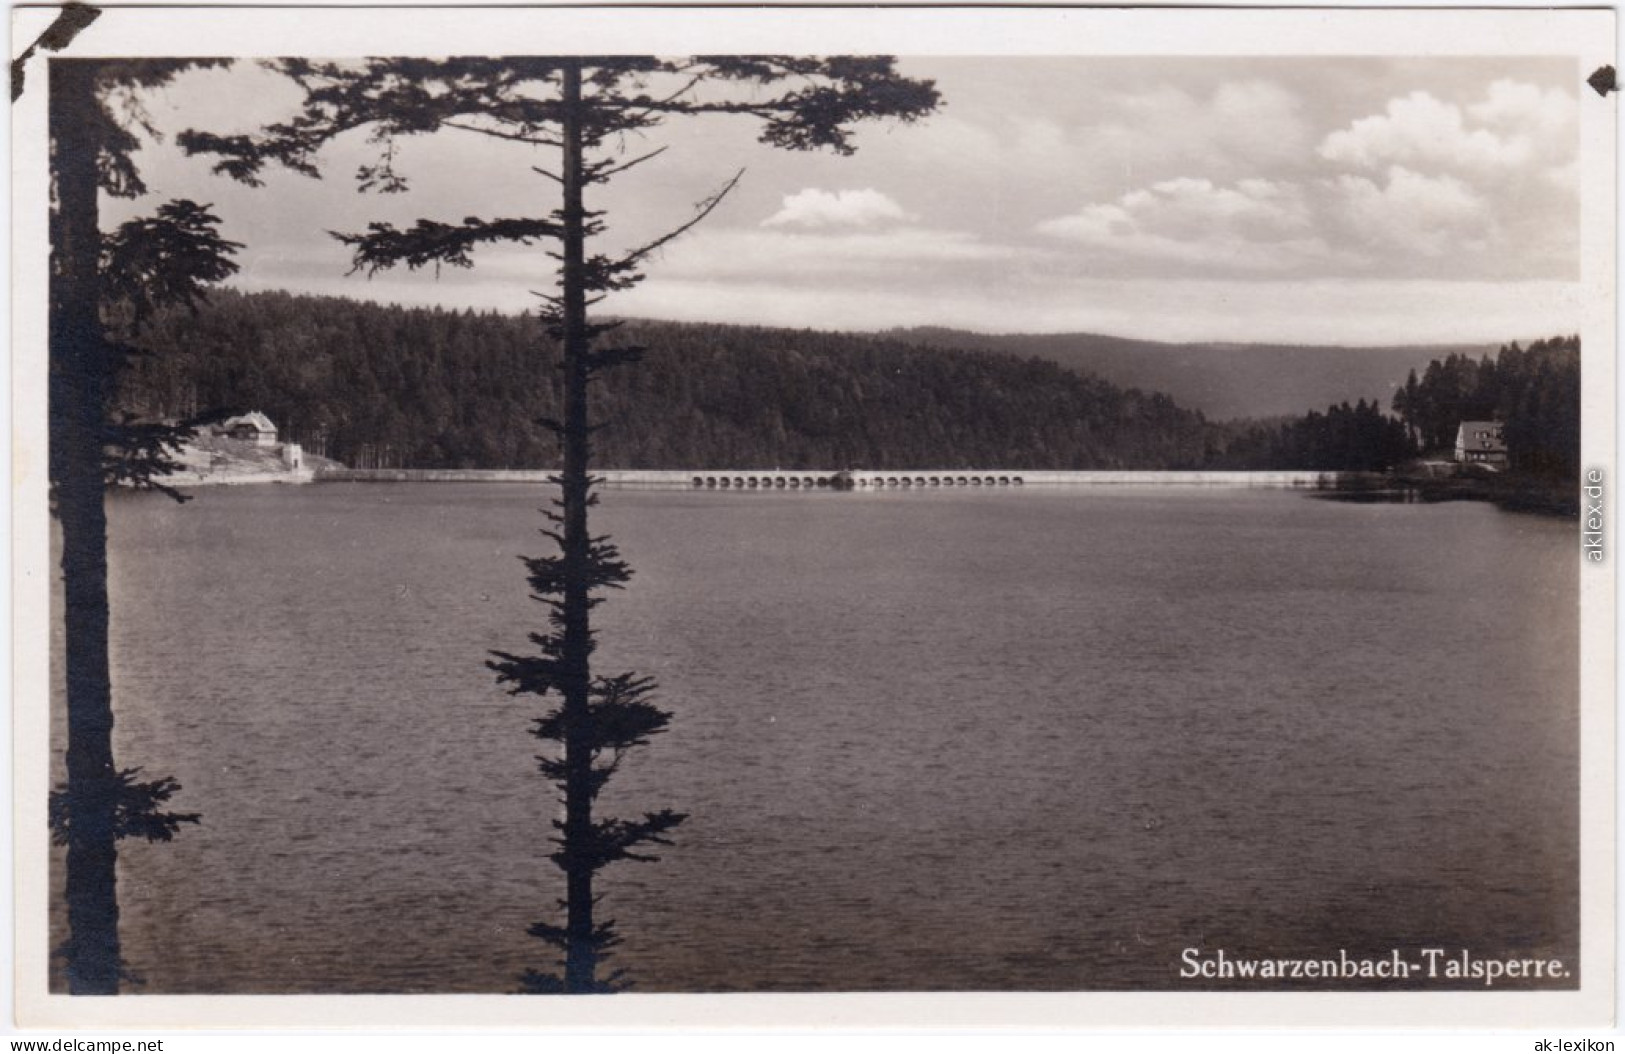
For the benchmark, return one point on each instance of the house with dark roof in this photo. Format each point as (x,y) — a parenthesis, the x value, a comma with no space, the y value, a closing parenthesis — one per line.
(254,427)
(1481,443)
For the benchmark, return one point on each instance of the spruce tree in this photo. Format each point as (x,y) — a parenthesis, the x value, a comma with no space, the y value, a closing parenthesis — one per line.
(167,259)
(583,108)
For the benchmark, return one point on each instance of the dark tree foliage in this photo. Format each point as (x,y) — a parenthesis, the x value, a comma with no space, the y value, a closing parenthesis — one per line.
(1534,392)
(378,386)
(1358,438)
(586,108)
(135,810)
(94,115)
(375,386)
(166,261)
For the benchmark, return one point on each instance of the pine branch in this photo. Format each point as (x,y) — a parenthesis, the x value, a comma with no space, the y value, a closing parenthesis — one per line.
(166,259)
(515,137)
(602,174)
(619,719)
(526,673)
(534,982)
(243,157)
(631,260)
(430,242)
(139,454)
(135,809)
(611,840)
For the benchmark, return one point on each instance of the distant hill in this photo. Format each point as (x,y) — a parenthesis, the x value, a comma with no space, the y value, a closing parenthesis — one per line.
(1224,381)
(376,386)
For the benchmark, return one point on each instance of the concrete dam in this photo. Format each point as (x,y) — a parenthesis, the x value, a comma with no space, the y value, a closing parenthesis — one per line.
(831,479)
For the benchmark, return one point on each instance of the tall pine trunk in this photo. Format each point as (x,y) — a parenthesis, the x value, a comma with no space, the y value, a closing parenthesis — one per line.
(581,956)
(78,379)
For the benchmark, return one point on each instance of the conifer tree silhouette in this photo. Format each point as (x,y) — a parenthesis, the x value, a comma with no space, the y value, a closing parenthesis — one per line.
(582,107)
(97,280)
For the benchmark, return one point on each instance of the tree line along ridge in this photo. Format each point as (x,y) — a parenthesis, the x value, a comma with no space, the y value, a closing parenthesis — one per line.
(379,386)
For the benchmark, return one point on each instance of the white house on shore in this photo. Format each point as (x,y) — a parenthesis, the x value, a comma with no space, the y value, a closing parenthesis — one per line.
(241,449)
(254,427)
(1481,443)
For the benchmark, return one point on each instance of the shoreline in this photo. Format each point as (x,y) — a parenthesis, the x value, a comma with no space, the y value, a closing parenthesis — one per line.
(1514,493)
(239,479)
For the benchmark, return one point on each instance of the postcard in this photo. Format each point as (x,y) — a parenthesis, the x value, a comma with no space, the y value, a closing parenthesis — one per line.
(962,517)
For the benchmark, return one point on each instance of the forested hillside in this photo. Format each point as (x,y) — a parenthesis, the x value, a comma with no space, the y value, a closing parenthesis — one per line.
(1223,381)
(1534,392)
(1358,438)
(381,386)
(374,385)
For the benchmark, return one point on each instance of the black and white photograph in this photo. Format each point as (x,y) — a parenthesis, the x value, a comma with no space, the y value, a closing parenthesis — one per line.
(945,504)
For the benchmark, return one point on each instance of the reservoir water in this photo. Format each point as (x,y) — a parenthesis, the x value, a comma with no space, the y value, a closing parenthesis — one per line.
(1035,740)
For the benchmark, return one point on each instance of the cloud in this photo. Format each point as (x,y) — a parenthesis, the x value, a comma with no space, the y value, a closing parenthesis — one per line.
(1566,178)
(1426,188)
(813,208)
(1418,215)
(1423,131)
(1254,224)
(1487,188)
(1259,119)
(1517,127)
(1050,194)
(1008,163)
(1547,113)
(1240,128)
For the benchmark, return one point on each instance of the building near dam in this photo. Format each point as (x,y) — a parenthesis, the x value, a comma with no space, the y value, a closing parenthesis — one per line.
(1481,443)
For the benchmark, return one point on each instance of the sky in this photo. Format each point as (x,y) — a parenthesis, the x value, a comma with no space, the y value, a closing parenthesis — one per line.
(1353,201)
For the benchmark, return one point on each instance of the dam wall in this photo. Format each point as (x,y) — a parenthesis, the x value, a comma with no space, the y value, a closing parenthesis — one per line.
(235,477)
(814,479)
(434,475)
(866,480)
